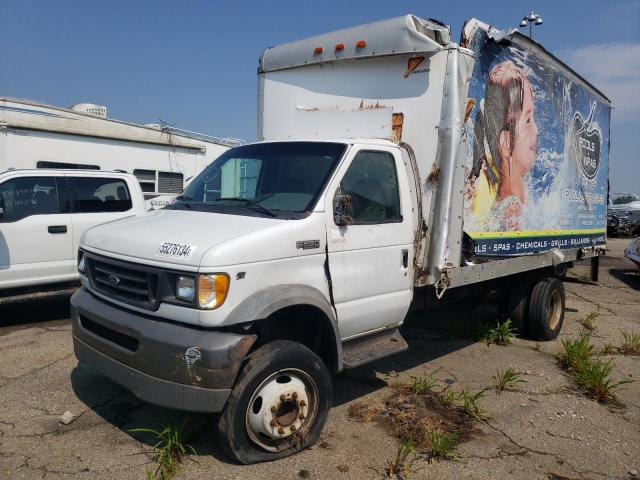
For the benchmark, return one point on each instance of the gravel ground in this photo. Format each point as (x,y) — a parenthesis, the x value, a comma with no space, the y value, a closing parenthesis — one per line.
(545,429)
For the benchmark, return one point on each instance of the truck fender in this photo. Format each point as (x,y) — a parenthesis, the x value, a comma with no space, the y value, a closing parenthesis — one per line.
(265,302)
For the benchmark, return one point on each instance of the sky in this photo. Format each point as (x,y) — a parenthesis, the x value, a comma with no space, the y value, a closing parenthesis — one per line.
(193,63)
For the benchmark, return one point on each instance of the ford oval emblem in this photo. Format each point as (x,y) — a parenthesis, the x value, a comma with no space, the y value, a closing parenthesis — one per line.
(113,280)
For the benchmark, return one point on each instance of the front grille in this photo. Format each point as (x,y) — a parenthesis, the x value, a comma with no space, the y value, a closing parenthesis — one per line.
(127,282)
(125,341)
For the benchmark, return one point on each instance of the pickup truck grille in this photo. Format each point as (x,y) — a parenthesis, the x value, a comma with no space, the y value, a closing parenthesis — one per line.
(127,282)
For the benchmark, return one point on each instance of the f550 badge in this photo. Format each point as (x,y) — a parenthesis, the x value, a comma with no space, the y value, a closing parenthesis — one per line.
(175,250)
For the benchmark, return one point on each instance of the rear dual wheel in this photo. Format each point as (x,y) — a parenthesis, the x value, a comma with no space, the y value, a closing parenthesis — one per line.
(278,406)
(536,307)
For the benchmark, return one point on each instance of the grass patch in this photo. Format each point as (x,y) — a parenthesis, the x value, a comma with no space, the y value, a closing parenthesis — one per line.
(443,445)
(506,379)
(424,383)
(470,404)
(592,376)
(630,344)
(366,411)
(501,334)
(609,349)
(169,451)
(588,322)
(400,467)
(448,397)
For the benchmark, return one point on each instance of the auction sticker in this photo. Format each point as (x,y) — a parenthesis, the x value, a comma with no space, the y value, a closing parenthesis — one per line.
(175,250)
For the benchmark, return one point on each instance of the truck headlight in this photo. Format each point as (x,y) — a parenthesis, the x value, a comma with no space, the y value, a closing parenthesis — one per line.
(212,290)
(82,267)
(186,289)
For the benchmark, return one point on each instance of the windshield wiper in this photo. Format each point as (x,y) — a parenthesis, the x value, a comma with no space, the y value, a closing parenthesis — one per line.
(252,203)
(185,200)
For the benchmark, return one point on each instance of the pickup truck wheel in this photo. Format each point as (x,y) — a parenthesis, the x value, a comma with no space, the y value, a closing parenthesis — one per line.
(278,405)
(546,309)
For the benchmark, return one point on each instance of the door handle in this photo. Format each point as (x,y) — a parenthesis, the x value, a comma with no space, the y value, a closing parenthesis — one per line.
(57,229)
(405,258)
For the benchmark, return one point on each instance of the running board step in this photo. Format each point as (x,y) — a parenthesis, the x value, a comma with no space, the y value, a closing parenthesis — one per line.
(367,349)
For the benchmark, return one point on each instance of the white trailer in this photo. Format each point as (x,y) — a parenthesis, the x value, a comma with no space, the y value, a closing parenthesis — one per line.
(164,160)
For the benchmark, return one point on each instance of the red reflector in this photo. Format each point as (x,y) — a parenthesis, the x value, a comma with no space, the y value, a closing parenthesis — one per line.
(361,44)
(318,51)
(339,47)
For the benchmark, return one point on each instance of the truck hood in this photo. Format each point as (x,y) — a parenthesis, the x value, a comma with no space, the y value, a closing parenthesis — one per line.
(171,236)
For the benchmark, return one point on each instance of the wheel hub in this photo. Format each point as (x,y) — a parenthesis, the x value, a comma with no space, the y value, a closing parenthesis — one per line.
(279,407)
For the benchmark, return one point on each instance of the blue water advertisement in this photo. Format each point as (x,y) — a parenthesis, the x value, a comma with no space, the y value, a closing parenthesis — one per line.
(537,154)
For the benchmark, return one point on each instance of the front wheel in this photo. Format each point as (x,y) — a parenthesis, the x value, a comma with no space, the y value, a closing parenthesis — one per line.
(546,309)
(278,406)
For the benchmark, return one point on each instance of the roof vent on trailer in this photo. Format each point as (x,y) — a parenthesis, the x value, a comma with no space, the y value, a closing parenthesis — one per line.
(91,109)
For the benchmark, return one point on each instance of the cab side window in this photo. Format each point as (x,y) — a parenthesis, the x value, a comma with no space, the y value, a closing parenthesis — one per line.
(372,183)
(27,196)
(98,194)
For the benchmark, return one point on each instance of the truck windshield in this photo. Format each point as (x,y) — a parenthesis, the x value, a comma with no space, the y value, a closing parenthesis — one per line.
(281,179)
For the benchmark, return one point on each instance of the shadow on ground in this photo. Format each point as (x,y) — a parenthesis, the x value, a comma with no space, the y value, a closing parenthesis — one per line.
(24,313)
(630,276)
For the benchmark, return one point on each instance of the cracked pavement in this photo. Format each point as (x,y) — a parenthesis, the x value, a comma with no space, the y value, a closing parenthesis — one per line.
(543,429)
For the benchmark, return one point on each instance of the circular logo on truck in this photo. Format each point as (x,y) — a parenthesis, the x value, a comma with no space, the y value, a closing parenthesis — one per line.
(113,280)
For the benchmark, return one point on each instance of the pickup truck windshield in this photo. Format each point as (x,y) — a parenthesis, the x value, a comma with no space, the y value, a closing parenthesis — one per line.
(267,179)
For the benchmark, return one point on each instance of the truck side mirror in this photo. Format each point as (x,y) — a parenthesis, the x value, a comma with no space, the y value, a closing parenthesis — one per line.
(342,209)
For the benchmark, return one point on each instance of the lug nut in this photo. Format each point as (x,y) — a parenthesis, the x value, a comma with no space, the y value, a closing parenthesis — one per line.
(294,394)
(292,428)
(301,416)
(303,403)
(281,431)
(273,409)
(272,423)
(282,397)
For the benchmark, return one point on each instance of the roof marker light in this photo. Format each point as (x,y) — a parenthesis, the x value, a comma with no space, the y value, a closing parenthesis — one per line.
(318,50)
(339,47)
(361,44)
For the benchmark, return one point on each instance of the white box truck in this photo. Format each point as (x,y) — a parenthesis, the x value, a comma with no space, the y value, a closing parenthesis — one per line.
(397,168)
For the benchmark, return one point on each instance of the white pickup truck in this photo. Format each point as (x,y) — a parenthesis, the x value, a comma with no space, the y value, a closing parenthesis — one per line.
(43,214)
(396,166)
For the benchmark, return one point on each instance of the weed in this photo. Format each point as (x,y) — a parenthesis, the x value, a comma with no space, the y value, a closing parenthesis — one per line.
(576,353)
(400,468)
(448,397)
(506,379)
(470,404)
(589,321)
(631,343)
(595,378)
(592,376)
(502,334)
(424,383)
(609,349)
(537,347)
(365,411)
(169,451)
(443,445)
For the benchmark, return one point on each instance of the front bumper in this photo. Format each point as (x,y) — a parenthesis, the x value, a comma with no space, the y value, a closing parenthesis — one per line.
(171,365)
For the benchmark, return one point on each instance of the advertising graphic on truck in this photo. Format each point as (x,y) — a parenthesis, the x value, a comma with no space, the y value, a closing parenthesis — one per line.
(537,154)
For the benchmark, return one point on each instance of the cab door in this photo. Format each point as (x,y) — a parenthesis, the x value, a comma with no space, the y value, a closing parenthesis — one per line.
(35,234)
(371,259)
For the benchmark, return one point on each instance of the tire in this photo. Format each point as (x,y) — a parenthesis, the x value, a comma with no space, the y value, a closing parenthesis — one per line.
(257,424)
(518,306)
(546,309)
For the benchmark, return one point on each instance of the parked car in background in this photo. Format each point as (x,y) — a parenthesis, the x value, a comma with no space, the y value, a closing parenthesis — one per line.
(633,251)
(623,214)
(44,212)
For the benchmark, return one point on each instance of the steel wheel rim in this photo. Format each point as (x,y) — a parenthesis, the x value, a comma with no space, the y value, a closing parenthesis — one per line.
(285,417)
(554,310)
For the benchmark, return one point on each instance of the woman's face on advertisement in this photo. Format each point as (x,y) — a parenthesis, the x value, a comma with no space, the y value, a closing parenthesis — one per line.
(526,134)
